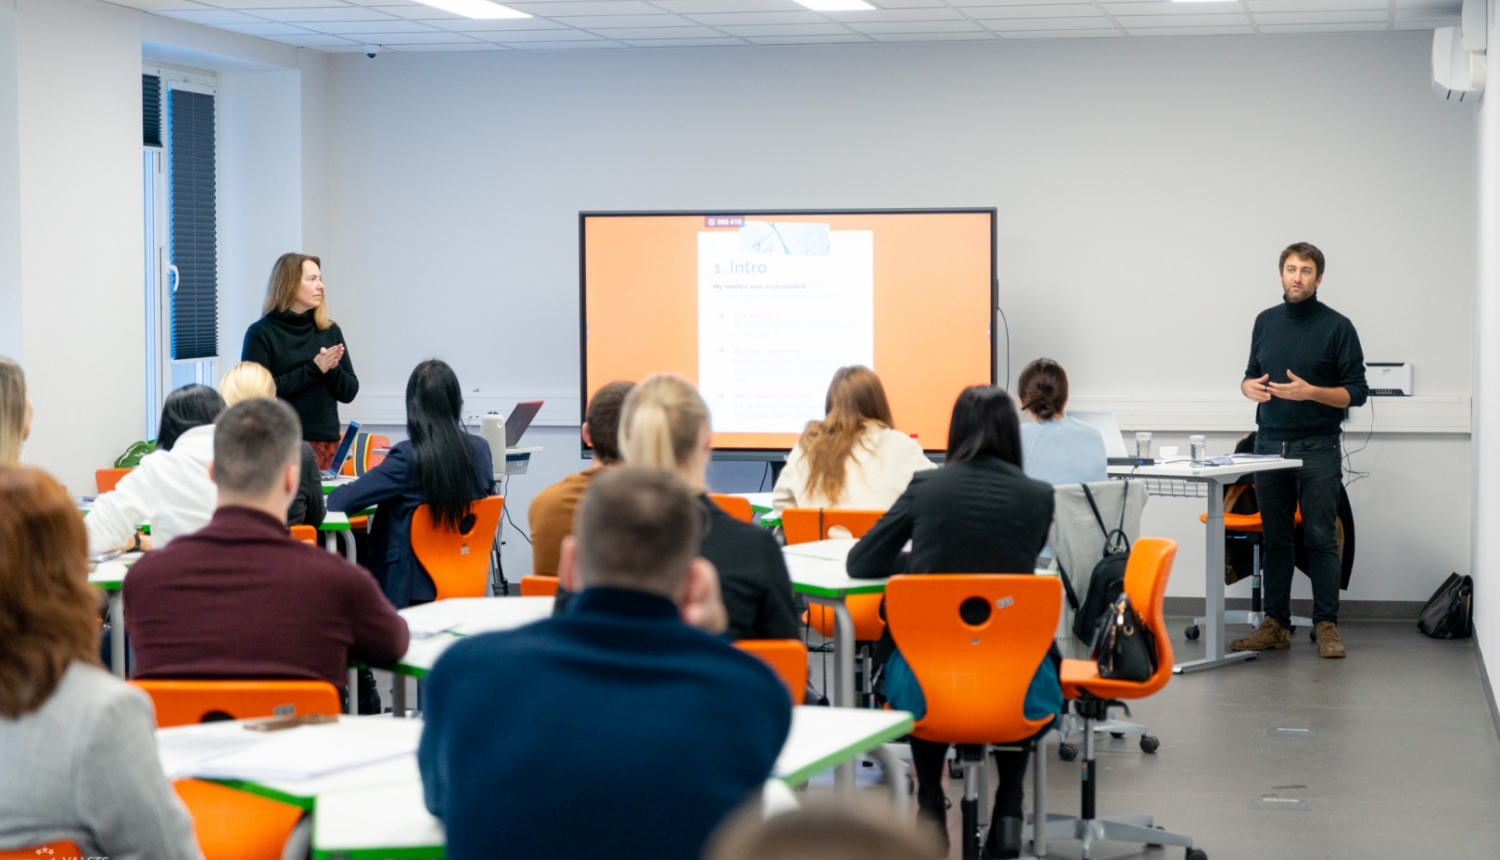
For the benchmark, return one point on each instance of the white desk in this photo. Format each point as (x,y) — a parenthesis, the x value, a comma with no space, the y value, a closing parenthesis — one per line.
(391,820)
(455,618)
(818,574)
(1158,482)
(109,577)
(759,502)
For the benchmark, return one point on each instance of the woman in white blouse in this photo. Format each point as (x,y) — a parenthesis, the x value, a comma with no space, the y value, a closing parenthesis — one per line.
(854,457)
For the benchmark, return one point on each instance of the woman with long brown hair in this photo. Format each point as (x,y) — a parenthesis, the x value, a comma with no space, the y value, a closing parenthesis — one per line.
(854,457)
(304,350)
(77,746)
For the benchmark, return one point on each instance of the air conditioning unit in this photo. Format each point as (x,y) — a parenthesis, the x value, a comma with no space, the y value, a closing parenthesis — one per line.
(1458,55)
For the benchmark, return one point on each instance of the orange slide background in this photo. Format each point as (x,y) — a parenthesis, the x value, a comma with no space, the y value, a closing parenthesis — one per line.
(932,308)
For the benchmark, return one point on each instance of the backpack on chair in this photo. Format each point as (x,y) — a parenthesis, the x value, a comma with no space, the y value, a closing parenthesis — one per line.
(1107,582)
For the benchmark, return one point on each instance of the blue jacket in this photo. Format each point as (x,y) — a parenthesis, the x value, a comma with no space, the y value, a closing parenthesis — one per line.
(392,486)
(613,730)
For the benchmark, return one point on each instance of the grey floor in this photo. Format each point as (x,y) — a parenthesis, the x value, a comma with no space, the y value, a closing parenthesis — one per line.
(1405,763)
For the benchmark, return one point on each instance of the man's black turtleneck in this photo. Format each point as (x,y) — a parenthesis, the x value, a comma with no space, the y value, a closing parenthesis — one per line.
(286,343)
(1320,345)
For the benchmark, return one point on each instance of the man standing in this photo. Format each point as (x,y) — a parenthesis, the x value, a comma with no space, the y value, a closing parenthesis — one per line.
(1306,368)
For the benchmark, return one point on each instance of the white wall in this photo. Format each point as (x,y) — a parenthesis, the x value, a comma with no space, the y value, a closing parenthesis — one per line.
(1486,475)
(82,312)
(10,190)
(1144,190)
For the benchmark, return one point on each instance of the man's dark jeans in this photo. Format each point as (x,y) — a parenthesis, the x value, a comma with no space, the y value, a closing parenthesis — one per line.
(1315,487)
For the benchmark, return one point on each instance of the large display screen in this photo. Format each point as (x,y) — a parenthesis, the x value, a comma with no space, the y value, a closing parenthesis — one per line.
(760,308)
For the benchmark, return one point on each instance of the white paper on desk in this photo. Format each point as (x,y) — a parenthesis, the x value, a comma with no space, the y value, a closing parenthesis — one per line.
(1253,458)
(308,752)
(183,752)
(423,627)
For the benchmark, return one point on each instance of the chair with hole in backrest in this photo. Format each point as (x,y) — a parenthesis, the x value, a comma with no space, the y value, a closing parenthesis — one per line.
(457,561)
(974,641)
(736,506)
(106,479)
(60,850)
(306,534)
(786,657)
(180,703)
(231,824)
(538,586)
(1146,584)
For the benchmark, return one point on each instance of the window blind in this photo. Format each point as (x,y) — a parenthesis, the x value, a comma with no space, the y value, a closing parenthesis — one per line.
(150,110)
(194,246)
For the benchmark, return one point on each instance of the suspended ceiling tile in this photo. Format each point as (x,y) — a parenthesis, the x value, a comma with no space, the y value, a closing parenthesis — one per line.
(266,29)
(1060,10)
(684,43)
(1373,16)
(367,28)
(914,27)
(1011,25)
(719,19)
(1246,30)
(1274,29)
(212,17)
(1225,19)
(324,14)
(848,38)
(788,30)
(933,37)
(554,8)
(1111,33)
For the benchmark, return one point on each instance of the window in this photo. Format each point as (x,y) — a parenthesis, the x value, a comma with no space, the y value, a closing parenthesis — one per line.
(181,277)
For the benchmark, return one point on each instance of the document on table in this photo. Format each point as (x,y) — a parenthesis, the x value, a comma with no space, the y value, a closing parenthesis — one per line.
(781,306)
(307,752)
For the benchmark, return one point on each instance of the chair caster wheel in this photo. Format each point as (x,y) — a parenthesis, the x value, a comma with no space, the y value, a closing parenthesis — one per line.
(1067,752)
(1191,633)
(1117,735)
(1149,744)
(1196,854)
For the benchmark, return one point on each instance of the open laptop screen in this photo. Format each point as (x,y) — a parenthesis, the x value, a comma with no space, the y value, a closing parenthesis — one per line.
(342,453)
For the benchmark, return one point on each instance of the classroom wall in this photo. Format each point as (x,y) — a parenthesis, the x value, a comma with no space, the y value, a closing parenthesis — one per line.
(1486,473)
(1144,188)
(78,66)
(10,190)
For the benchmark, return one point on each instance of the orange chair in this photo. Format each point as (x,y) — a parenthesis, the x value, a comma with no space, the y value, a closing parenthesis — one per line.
(974,641)
(538,586)
(236,825)
(180,703)
(1146,584)
(787,657)
(365,445)
(63,850)
(306,534)
(1248,527)
(736,506)
(805,525)
(106,479)
(458,562)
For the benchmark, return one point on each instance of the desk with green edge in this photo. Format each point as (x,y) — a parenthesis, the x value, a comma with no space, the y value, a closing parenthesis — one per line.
(444,622)
(109,577)
(391,821)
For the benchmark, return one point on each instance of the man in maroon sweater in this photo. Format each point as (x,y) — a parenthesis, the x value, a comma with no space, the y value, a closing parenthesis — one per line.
(241,598)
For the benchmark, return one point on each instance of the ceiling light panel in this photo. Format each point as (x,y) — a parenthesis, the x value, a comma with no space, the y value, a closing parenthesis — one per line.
(836,5)
(482,10)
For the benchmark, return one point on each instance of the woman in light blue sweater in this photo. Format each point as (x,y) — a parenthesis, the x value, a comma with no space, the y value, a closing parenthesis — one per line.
(1057,449)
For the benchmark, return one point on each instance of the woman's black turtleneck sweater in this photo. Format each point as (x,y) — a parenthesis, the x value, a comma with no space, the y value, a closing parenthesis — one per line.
(286,343)
(1320,345)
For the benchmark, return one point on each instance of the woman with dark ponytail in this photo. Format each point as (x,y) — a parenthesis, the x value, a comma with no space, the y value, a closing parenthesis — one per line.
(1057,449)
(439,464)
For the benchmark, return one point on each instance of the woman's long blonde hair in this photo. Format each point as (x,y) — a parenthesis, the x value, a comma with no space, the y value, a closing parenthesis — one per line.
(855,400)
(245,381)
(662,422)
(12,411)
(286,277)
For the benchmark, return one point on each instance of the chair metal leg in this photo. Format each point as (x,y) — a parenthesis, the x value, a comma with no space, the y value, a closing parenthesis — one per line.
(973,764)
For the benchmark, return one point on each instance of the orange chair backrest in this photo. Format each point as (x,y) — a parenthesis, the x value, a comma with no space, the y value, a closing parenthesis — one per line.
(366,447)
(538,586)
(306,534)
(974,676)
(236,825)
(736,506)
(805,525)
(458,562)
(62,850)
(1146,575)
(106,479)
(181,703)
(786,657)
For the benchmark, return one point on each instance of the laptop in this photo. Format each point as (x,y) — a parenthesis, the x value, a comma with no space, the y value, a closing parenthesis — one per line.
(1114,442)
(342,453)
(519,419)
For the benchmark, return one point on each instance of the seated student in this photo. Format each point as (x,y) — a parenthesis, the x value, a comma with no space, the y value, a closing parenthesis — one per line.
(822,830)
(1057,449)
(170,490)
(977,514)
(551,511)
(665,425)
(248,379)
(15,412)
(241,598)
(615,730)
(854,457)
(77,746)
(437,464)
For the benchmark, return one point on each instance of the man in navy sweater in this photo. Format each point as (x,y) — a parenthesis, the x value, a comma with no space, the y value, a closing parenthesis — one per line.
(616,729)
(1306,368)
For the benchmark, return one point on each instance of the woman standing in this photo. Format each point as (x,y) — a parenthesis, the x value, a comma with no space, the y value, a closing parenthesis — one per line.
(304,350)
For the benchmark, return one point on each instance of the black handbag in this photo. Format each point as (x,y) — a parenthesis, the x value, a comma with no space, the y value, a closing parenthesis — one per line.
(1124,648)
(1449,613)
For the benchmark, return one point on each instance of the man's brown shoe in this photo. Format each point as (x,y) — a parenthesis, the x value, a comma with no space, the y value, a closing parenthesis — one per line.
(1329,643)
(1269,635)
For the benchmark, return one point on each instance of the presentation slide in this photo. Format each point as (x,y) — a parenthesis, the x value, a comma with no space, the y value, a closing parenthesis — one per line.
(760,309)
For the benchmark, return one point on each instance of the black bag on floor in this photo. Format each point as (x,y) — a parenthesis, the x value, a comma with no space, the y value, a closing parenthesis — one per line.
(1449,613)
(1107,582)
(1124,649)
